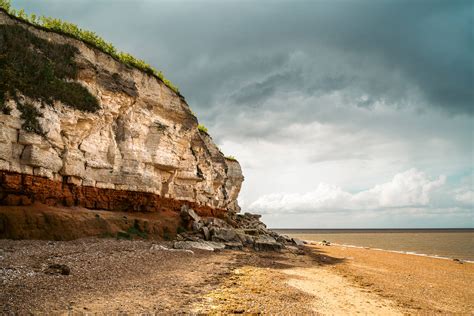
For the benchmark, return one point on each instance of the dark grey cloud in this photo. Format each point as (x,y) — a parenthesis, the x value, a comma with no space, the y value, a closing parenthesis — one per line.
(240,50)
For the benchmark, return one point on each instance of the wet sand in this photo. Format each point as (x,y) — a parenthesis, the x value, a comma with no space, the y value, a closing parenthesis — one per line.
(111,276)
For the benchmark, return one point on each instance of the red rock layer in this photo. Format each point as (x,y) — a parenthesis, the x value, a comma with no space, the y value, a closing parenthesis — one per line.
(22,189)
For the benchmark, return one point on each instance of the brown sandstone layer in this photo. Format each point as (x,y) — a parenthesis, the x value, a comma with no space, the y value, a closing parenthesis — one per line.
(21,189)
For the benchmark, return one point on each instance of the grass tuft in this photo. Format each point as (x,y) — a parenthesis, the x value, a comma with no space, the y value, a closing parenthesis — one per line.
(202,128)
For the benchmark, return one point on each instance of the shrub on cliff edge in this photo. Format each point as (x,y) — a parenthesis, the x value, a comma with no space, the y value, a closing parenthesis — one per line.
(202,128)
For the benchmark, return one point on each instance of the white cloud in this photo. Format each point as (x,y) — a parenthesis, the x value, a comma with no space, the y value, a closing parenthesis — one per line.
(411,188)
(465,196)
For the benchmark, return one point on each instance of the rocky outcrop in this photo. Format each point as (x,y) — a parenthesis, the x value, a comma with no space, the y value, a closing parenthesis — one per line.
(236,232)
(140,150)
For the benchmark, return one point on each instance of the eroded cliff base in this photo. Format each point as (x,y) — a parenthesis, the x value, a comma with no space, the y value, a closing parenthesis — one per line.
(39,221)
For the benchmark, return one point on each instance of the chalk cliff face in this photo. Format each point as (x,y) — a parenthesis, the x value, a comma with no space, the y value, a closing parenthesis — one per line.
(141,149)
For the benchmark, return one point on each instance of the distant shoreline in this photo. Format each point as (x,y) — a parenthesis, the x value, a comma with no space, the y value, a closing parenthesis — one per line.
(437,243)
(374,229)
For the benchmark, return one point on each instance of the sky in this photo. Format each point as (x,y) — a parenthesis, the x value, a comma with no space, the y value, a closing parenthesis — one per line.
(343,114)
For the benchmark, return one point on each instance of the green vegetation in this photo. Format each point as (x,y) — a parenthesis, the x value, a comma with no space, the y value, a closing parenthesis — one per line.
(29,115)
(5,5)
(39,70)
(88,37)
(4,109)
(231,158)
(123,235)
(167,234)
(202,128)
(135,231)
(132,231)
(180,229)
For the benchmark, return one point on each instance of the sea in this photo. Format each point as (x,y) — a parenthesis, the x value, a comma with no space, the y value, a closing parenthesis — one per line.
(444,243)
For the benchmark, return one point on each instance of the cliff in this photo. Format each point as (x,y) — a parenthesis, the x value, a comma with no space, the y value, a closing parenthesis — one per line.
(80,128)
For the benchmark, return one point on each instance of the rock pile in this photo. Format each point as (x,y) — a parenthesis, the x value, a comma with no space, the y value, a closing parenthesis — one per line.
(237,231)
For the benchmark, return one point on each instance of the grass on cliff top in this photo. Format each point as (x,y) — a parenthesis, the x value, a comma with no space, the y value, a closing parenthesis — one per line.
(88,37)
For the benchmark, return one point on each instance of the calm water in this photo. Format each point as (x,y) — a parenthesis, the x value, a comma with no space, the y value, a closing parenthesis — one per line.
(449,243)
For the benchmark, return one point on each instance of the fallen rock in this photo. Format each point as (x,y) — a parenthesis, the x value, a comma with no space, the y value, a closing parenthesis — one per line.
(295,250)
(223,234)
(57,269)
(253,232)
(298,242)
(245,239)
(188,214)
(203,245)
(266,243)
(234,245)
(215,222)
(206,233)
(197,226)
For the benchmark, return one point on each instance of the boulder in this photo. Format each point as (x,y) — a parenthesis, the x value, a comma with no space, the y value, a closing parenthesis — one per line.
(197,226)
(298,242)
(267,243)
(215,222)
(252,232)
(206,233)
(234,245)
(224,234)
(188,214)
(245,239)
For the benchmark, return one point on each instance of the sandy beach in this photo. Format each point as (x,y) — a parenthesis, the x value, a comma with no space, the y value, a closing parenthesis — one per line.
(108,275)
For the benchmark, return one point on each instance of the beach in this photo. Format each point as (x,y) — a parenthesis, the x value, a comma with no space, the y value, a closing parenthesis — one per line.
(108,275)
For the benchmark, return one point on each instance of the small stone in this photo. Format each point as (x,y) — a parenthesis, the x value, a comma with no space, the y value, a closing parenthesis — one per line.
(58,269)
